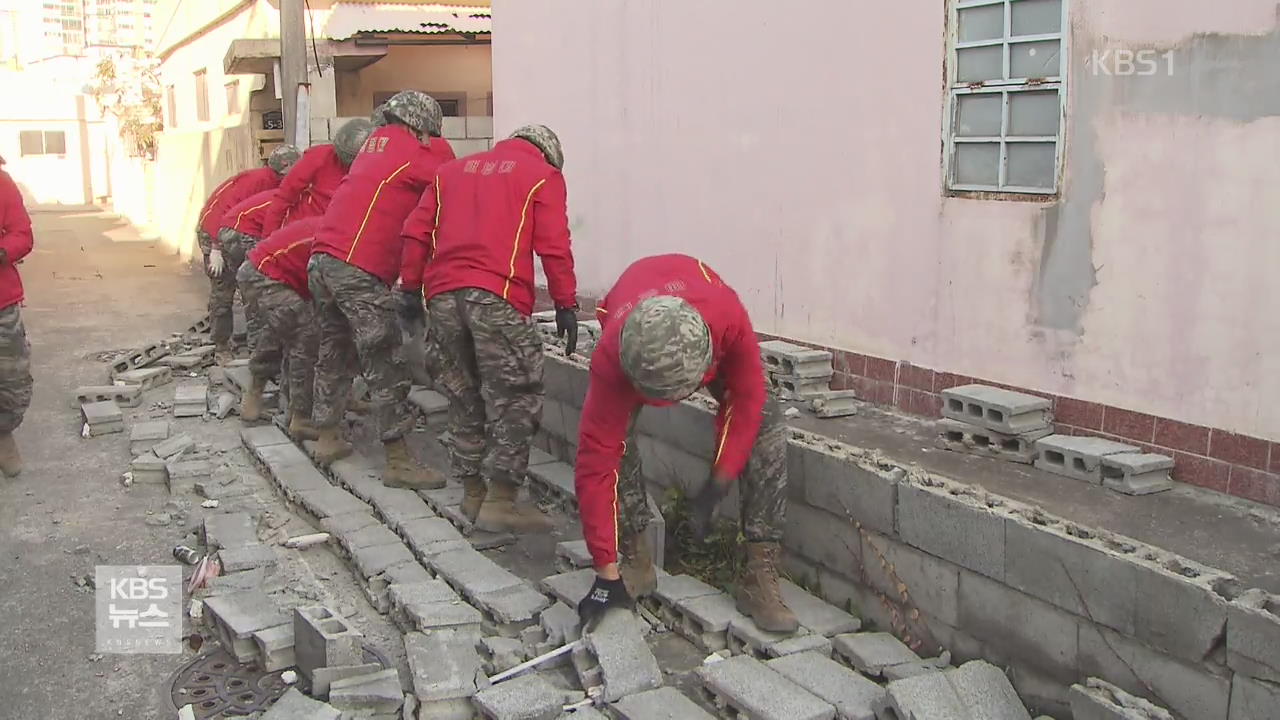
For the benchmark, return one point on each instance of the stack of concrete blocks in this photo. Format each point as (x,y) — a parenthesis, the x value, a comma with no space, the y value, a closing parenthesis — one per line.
(797,372)
(982,575)
(326,647)
(146,378)
(234,617)
(153,454)
(197,357)
(125,396)
(102,418)
(190,400)
(993,422)
(468,135)
(137,359)
(1099,461)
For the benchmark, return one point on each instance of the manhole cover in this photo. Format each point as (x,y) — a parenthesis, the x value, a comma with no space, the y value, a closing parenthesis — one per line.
(218,687)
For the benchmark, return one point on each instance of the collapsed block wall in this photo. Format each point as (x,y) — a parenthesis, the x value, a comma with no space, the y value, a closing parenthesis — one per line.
(947,565)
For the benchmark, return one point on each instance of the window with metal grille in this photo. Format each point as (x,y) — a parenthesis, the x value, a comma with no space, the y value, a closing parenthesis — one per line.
(1007,80)
(42,142)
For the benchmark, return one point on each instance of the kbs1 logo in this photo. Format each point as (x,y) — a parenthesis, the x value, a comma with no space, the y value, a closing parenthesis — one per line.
(139,609)
(1128,63)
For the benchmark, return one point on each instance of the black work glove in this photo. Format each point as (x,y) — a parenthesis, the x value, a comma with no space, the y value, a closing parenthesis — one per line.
(604,594)
(410,309)
(567,325)
(704,506)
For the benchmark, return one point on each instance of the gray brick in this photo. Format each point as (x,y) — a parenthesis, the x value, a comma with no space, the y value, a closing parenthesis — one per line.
(102,413)
(823,538)
(670,466)
(442,498)
(367,537)
(672,589)
(752,689)
(229,530)
(1253,635)
(173,446)
(191,394)
(845,486)
(790,387)
(953,527)
(560,419)
(146,435)
(378,692)
(293,705)
(780,356)
(555,477)
(528,697)
(429,402)
(540,457)
(985,692)
(520,604)
(471,573)
(330,501)
(323,677)
(184,474)
(565,380)
(569,588)
(501,653)
(962,437)
(834,404)
(1187,690)
(122,395)
(1018,626)
(928,696)
(322,638)
(246,557)
(1180,614)
(149,469)
(443,665)
(746,638)
(931,584)
(358,474)
(1137,473)
(146,378)
(348,522)
(627,665)
(683,425)
(572,555)
(853,695)
(870,653)
(275,647)
(371,561)
(996,409)
(1251,699)
(704,621)
(398,506)
(1077,457)
(236,615)
(1100,700)
(561,624)
(665,703)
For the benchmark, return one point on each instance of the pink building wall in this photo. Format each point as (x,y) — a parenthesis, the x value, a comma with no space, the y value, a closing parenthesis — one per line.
(798,149)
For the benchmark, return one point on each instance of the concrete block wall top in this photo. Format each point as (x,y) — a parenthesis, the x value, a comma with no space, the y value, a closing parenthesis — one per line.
(1253,635)
(995,408)
(751,687)
(1100,700)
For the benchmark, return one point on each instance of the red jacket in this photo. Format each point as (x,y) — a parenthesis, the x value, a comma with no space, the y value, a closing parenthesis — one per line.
(232,192)
(307,189)
(283,256)
(612,400)
(481,225)
(15,240)
(247,215)
(362,225)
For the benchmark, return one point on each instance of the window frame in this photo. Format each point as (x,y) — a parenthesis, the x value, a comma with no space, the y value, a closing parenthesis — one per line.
(201,78)
(955,89)
(232,89)
(43,136)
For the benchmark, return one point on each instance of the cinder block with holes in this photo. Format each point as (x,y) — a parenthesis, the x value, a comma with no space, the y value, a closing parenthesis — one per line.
(146,378)
(747,638)
(742,686)
(670,592)
(853,695)
(792,387)
(975,440)
(1077,457)
(1004,411)
(784,358)
(704,621)
(1137,473)
(123,395)
(323,638)
(237,615)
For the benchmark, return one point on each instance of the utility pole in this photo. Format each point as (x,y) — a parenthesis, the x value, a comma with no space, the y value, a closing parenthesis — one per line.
(293,69)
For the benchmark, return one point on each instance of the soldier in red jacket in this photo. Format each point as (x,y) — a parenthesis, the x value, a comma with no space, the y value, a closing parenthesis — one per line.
(240,231)
(671,326)
(355,260)
(480,225)
(15,351)
(309,187)
(274,279)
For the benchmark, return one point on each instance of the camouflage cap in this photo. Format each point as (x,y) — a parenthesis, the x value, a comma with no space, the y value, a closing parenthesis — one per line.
(283,158)
(665,348)
(415,109)
(349,138)
(545,140)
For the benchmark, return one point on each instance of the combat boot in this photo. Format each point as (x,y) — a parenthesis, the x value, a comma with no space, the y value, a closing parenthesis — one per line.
(474,491)
(403,471)
(251,403)
(330,446)
(636,565)
(502,512)
(760,595)
(222,355)
(10,460)
(358,406)
(300,427)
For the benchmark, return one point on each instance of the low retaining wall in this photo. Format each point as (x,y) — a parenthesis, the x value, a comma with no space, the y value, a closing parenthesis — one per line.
(948,565)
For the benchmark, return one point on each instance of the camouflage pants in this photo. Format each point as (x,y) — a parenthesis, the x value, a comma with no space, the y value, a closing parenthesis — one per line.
(15,369)
(358,329)
(222,300)
(205,243)
(288,339)
(762,488)
(487,358)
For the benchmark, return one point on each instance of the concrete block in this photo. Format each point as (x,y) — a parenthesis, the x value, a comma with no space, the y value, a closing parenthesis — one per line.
(359,475)
(377,692)
(146,378)
(471,573)
(275,647)
(823,538)
(348,522)
(229,530)
(1004,411)
(923,697)
(853,696)
(556,478)
(479,126)
(431,536)
(870,653)
(1137,473)
(754,691)
(511,606)
(1077,457)
(146,435)
(1189,690)
(962,437)
(296,480)
(122,395)
(744,637)
(985,692)
(834,404)
(569,588)
(442,498)
(371,561)
(893,569)
(784,358)
(323,638)
(955,527)
(704,621)
(528,697)
(138,358)
(684,426)
(104,412)
(1180,611)
(431,604)
(263,436)
(665,703)
(174,446)
(293,705)
(572,555)
(444,666)
(832,479)
(670,466)
(148,469)
(561,624)
(184,474)
(322,678)
(502,654)
(1017,626)
(1253,635)
(330,501)
(366,537)
(1100,700)
(816,614)
(429,402)
(191,394)
(246,557)
(627,665)
(237,615)
(397,506)
(1251,699)
(790,387)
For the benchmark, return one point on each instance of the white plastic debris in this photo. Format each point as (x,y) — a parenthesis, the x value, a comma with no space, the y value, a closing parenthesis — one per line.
(127,478)
(289,677)
(84,430)
(792,412)
(305,541)
(196,610)
(209,504)
(118,383)
(188,712)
